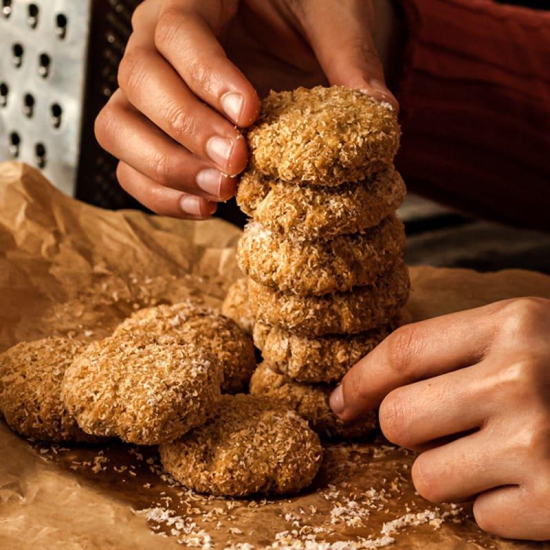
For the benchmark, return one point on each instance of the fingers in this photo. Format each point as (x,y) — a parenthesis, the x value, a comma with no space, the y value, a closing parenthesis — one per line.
(514,513)
(173,146)
(417,414)
(163,200)
(151,85)
(129,136)
(464,468)
(341,37)
(188,43)
(412,353)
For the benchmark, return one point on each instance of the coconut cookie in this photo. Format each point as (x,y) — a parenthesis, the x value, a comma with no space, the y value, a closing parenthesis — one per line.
(31,375)
(205,328)
(364,308)
(237,307)
(320,267)
(320,360)
(311,403)
(251,446)
(143,388)
(323,136)
(306,212)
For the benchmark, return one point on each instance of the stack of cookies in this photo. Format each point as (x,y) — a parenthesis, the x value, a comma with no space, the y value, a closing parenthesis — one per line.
(323,251)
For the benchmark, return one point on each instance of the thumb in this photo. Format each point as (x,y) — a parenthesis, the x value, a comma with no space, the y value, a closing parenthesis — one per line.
(340,34)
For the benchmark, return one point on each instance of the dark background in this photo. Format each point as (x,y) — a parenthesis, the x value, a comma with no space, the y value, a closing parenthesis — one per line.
(534,4)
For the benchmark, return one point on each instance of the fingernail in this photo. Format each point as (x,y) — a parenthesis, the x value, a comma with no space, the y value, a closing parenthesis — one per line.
(378,85)
(195,206)
(232,104)
(219,150)
(210,181)
(337,400)
(383,92)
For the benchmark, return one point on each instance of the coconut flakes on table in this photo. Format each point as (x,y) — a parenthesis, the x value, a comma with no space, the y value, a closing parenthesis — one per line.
(184,529)
(434,518)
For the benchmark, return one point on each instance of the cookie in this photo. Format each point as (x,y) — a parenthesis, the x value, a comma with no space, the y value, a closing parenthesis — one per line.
(142,388)
(251,446)
(317,360)
(311,403)
(31,375)
(305,212)
(320,266)
(205,328)
(361,309)
(323,136)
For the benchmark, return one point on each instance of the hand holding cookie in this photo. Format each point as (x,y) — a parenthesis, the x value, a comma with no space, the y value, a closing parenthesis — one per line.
(471,392)
(188,82)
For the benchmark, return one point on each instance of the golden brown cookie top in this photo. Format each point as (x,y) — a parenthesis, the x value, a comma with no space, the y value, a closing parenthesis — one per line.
(307,212)
(320,267)
(204,328)
(317,360)
(362,309)
(31,374)
(143,388)
(323,136)
(252,445)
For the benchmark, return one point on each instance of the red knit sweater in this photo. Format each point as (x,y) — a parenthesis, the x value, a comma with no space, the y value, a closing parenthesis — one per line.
(475,97)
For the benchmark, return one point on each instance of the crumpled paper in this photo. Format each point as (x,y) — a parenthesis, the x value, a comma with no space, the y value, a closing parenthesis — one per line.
(67,268)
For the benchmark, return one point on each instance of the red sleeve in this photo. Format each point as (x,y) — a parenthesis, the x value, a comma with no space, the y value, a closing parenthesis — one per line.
(475,97)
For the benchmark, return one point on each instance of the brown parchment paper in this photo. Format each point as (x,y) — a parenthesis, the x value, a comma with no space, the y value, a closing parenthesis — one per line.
(70,269)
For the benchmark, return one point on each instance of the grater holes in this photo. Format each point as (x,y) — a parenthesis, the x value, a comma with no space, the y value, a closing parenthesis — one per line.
(4,93)
(18,52)
(44,65)
(14,144)
(33,13)
(40,155)
(61,26)
(6,8)
(28,105)
(56,115)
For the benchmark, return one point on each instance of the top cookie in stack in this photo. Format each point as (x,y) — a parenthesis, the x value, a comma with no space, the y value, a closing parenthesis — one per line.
(324,249)
(323,136)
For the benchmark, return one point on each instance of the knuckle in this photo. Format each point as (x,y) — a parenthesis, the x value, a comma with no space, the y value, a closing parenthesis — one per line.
(160,168)
(394,415)
(131,71)
(534,439)
(180,124)
(522,379)
(199,74)
(427,480)
(524,314)
(168,28)
(400,346)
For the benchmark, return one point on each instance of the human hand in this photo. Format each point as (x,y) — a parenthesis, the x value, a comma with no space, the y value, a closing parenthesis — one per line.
(471,392)
(173,122)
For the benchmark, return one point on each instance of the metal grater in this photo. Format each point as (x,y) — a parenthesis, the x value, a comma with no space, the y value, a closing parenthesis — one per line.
(58,67)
